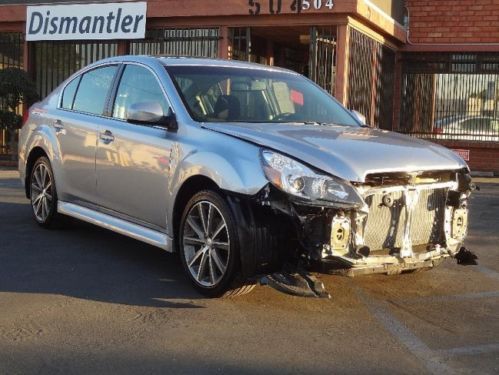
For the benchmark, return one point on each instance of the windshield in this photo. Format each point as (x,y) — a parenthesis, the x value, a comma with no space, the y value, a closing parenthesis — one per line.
(232,94)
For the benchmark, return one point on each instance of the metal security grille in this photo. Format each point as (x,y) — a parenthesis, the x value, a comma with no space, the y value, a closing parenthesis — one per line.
(11,56)
(240,43)
(56,61)
(11,50)
(178,42)
(323,57)
(371,79)
(451,96)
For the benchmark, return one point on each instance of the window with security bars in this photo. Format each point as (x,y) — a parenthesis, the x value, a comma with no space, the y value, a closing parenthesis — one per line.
(451,96)
(178,42)
(371,79)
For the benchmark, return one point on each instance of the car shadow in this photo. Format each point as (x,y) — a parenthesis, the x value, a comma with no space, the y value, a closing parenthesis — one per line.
(84,261)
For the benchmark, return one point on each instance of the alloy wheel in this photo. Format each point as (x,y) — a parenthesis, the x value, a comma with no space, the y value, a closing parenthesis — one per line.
(41,192)
(206,244)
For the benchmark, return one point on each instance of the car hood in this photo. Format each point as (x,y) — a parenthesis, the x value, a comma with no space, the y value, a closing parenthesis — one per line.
(348,152)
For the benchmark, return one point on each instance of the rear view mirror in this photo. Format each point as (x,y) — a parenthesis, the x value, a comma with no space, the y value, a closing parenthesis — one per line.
(359,116)
(151,113)
(145,112)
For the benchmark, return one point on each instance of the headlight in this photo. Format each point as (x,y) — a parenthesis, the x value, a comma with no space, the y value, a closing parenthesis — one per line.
(301,181)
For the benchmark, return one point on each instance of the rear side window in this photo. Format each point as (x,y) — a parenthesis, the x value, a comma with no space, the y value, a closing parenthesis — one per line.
(93,89)
(69,94)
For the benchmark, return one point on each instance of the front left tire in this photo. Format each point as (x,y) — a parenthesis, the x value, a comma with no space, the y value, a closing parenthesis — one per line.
(209,246)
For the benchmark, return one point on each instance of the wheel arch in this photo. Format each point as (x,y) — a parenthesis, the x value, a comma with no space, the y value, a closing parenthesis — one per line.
(208,169)
(35,153)
(191,186)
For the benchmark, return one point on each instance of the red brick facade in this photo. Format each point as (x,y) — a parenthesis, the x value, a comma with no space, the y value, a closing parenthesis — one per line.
(454,21)
(457,26)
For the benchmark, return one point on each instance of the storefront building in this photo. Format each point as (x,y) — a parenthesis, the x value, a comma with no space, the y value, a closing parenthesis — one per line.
(408,65)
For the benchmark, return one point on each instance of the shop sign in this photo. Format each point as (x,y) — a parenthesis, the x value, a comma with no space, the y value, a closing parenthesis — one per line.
(465,154)
(86,22)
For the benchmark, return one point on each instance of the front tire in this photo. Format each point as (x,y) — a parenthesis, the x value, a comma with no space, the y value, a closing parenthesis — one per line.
(43,193)
(209,246)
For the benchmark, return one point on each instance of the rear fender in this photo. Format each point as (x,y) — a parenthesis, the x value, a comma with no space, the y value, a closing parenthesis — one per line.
(43,137)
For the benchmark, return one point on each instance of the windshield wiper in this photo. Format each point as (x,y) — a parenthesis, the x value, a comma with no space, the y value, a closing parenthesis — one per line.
(318,123)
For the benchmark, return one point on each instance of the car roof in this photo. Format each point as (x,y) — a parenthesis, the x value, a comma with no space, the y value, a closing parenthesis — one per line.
(193,61)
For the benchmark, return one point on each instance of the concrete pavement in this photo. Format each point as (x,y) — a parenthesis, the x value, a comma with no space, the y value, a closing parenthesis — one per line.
(84,300)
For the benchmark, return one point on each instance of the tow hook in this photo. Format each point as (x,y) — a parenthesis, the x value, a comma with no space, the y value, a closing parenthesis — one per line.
(301,284)
(465,257)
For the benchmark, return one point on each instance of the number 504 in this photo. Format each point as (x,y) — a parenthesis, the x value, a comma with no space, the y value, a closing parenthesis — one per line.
(316,4)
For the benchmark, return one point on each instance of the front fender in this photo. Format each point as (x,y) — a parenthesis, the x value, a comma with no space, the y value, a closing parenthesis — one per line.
(239,173)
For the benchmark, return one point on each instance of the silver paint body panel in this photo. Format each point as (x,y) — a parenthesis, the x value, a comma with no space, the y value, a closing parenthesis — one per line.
(140,172)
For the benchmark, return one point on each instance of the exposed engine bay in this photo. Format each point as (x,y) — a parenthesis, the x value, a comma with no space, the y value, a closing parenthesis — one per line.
(409,221)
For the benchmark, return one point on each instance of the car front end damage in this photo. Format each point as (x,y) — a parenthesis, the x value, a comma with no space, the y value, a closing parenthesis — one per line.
(406,222)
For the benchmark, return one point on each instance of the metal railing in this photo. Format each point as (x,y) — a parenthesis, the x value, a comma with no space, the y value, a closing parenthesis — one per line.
(322,64)
(371,79)
(56,61)
(240,43)
(451,97)
(178,42)
(11,56)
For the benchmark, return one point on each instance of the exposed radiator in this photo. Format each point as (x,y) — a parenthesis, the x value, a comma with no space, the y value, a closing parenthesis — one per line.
(385,225)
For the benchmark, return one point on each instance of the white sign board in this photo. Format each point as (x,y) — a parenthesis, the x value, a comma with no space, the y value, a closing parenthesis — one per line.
(86,22)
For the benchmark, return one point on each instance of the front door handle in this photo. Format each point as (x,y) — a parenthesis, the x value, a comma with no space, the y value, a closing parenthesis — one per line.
(59,127)
(107,137)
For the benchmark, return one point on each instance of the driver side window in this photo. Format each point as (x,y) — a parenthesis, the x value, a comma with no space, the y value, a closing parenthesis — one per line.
(137,85)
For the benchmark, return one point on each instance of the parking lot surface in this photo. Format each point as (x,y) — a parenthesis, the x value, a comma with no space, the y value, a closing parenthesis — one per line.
(85,300)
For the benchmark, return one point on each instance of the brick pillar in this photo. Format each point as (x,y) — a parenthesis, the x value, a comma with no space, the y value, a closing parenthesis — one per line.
(342,58)
(223,45)
(123,47)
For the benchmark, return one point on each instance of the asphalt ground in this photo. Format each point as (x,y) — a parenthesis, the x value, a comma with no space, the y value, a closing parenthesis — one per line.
(84,300)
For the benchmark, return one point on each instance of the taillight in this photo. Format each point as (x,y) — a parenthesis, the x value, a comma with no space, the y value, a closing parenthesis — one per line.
(438,130)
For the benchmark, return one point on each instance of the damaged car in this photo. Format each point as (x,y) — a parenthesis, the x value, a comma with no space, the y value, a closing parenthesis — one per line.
(247,171)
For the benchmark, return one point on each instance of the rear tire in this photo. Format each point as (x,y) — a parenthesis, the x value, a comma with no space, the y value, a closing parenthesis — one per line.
(43,193)
(209,246)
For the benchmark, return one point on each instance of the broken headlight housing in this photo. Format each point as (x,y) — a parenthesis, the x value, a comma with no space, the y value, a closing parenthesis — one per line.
(301,181)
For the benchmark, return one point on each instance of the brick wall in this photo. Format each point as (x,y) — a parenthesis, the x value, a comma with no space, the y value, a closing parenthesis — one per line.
(454,21)
(484,156)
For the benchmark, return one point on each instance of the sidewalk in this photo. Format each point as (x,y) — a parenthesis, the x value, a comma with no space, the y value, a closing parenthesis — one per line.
(486,180)
(5,162)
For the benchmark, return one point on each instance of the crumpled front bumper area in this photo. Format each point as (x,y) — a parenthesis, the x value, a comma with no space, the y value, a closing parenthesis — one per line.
(402,227)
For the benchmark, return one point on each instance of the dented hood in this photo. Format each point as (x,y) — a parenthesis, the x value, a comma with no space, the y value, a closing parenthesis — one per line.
(348,152)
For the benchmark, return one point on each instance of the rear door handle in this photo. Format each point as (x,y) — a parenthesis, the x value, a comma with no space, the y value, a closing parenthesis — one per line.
(107,137)
(58,126)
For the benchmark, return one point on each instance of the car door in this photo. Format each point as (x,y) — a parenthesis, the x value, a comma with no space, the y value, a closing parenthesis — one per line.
(76,125)
(132,160)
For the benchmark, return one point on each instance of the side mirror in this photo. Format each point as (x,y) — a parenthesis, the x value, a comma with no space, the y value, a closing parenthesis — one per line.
(151,113)
(359,116)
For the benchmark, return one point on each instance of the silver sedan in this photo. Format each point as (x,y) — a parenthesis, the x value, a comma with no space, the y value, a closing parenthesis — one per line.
(244,170)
